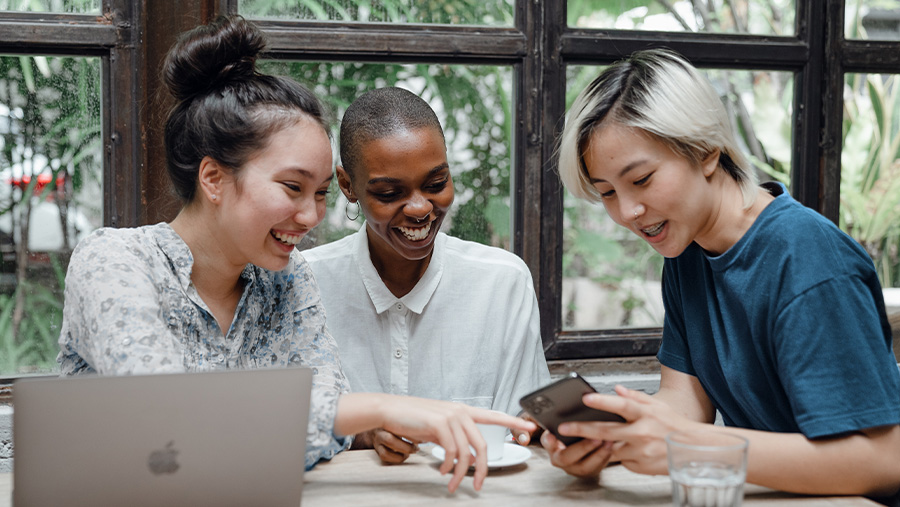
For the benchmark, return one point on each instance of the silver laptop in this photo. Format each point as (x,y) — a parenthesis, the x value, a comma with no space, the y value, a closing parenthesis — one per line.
(219,438)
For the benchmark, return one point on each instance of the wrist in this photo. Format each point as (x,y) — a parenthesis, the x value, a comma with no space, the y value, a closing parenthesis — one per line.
(359,412)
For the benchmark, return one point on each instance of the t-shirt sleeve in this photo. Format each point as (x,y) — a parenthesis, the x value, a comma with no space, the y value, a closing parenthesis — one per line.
(112,320)
(673,353)
(833,360)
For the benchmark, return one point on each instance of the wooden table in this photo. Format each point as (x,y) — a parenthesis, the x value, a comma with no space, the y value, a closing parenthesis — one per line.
(358,478)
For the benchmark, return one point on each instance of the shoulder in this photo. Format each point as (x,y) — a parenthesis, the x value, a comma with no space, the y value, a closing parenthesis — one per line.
(798,233)
(483,260)
(106,246)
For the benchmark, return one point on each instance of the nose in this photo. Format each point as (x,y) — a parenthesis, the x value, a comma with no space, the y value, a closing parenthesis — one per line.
(630,210)
(418,207)
(308,214)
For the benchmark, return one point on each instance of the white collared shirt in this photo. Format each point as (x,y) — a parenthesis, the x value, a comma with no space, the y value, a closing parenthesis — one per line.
(468,331)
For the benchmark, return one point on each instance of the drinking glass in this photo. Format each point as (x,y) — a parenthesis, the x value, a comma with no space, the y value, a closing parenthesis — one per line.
(707,468)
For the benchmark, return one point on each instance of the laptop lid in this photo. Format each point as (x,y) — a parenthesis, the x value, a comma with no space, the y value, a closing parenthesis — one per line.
(233,437)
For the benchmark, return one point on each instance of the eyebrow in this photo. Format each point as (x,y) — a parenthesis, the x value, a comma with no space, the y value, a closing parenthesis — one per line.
(386,179)
(628,168)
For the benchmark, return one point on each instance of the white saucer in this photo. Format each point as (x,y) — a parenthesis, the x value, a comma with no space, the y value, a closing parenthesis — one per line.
(513,454)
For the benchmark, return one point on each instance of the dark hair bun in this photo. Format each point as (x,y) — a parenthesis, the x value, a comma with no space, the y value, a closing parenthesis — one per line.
(210,57)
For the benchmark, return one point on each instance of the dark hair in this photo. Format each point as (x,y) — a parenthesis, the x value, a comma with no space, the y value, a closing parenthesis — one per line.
(379,113)
(225,108)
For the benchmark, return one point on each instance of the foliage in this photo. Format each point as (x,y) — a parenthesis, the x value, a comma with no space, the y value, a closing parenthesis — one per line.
(76,6)
(34,347)
(870,171)
(49,127)
(474,12)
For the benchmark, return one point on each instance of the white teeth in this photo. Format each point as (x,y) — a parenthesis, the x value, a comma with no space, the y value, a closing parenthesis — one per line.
(416,234)
(287,239)
(653,231)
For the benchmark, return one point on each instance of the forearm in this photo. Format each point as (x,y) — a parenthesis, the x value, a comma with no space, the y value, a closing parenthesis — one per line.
(862,463)
(358,413)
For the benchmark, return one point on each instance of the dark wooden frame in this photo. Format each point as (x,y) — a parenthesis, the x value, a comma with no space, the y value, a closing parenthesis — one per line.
(537,48)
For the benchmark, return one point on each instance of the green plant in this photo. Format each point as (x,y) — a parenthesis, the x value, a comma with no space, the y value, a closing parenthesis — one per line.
(870,171)
(50,128)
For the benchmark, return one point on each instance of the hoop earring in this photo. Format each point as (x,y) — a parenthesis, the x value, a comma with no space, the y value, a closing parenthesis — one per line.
(347,211)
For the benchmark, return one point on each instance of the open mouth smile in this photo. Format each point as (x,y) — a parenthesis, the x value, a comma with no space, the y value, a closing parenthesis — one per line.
(654,230)
(287,238)
(416,233)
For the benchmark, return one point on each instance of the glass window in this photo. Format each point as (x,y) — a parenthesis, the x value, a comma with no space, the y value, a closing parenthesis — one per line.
(473,104)
(872,19)
(611,278)
(466,12)
(59,6)
(50,175)
(870,170)
(758,17)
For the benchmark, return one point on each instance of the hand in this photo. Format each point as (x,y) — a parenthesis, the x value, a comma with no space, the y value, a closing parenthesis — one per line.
(452,426)
(640,441)
(584,459)
(391,448)
(525,437)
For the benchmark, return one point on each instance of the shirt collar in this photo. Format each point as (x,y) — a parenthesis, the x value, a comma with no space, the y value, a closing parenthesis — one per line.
(381,296)
(177,251)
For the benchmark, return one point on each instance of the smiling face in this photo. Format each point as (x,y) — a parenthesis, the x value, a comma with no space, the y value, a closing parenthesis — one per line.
(277,197)
(649,189)
(404,189)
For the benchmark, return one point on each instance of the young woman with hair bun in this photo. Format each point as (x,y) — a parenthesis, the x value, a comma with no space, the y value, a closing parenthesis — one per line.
(222,286)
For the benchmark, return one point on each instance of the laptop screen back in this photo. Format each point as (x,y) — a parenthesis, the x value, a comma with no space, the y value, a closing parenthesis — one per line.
(234,437)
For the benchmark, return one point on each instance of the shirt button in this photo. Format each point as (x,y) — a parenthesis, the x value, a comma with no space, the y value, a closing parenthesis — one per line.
(398,353)
(399,307)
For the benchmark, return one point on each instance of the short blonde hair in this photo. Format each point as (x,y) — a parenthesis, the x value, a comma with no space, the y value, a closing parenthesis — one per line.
(660,93)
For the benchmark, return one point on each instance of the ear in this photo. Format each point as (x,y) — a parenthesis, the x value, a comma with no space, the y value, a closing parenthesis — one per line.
(345,184)
(710,163)
(210,178)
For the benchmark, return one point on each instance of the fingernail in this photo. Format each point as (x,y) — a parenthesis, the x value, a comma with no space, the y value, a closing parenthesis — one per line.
(523,438)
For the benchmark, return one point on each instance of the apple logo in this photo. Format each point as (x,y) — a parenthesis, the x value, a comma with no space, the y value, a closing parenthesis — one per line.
(163,461)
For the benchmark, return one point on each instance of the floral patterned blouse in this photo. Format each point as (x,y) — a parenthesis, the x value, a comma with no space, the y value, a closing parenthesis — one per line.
(130,308)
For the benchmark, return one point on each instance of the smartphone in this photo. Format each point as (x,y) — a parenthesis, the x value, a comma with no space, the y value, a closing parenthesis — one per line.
(560,402)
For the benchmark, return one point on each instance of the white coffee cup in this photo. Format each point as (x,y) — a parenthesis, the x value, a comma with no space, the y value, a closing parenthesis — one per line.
(495,438)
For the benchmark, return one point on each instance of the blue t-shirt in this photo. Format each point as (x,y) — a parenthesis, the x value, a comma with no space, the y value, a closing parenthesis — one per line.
(786,331)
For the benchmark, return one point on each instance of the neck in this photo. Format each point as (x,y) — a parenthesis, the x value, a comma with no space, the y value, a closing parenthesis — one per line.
(730,220)
(399,275)
(214,275)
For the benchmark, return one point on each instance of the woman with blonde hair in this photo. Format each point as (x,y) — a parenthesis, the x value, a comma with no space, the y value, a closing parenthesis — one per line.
(774,317)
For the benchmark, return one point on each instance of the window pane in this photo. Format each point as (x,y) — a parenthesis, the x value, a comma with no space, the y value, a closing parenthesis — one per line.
(870,171)
(466,12)
(50,174)
(611,278)
(872,19)
(759,17)
(63,6)
(474,107)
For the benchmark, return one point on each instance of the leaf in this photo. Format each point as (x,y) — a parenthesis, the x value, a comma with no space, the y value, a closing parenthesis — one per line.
(27,73)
